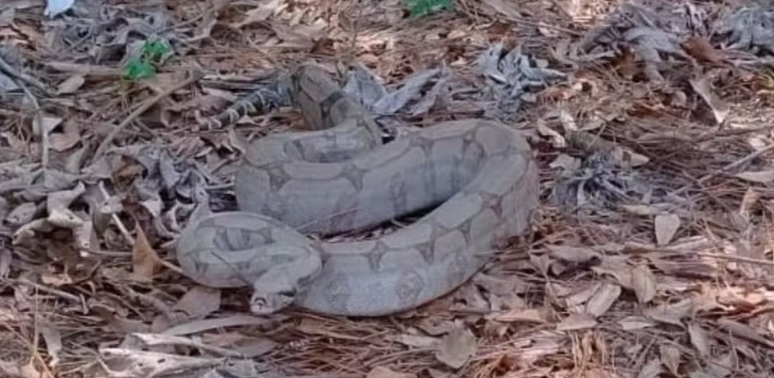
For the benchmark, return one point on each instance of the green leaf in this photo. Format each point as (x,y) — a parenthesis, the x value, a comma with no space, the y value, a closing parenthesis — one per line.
(154,50)
(420,8)
(138,70)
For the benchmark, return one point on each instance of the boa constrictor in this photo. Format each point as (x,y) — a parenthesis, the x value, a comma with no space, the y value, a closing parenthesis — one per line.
(340,177)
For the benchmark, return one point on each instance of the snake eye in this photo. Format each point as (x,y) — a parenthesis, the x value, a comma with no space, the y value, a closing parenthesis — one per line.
(290,293)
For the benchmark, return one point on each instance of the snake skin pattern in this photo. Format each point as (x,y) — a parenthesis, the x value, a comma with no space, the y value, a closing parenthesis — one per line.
(478,175)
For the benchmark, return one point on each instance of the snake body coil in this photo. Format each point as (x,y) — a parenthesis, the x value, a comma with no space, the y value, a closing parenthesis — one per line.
(340,177)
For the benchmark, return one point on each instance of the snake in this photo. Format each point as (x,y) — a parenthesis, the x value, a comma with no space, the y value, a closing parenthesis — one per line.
(472,183)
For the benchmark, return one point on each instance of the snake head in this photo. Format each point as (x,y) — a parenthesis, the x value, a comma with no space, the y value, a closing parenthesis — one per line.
(281,284)
(266,303)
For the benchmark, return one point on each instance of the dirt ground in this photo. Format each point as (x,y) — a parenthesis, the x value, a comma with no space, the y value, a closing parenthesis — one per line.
(650,256)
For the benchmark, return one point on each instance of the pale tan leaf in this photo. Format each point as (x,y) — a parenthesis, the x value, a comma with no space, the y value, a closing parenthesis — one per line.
(557,140)
(416,341)
(504,8)
(640,209)
(750,198)
(456,348)
(199,301)
(719,108)
(71,85)
(28,370)
(383,372)
(671,313)
(256,15)
(622,274)
(48,123)
(529,315)
(58,205)
(573,254)
(670,357)
(565,163)
(68,139)
(256,348)
(762,177)
(144,257)
(643,283)
(699,339)
(744,331)
(198,326)
(576,297)
(576,322)
(139,363)
(53,342)
(724,366)
(666,226)
(652,369)
(603,299)
(631,323)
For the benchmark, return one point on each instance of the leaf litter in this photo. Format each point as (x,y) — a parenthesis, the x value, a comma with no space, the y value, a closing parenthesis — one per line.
(651,253)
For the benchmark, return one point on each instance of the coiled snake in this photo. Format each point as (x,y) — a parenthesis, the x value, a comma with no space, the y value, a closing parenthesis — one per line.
(340,177)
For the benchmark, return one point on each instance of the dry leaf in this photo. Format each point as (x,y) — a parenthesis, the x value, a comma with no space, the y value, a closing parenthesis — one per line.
(719,108)
(724,366)
(643,283)
(53,342)
(256,15)
(670,357)
(58,204)
(666,226)
(256,348)
(750,198)
(198,326)
(701,49)
(744,331)
(144,257)
(416,341)
(573,254)
(576,322)
(138,363)
(456,348)
(28,370)
(631,323)
(72,84)
(652,369)
(383,372)
(557,140)
(641,209)
(67,139)
(199,301)
(507,9)
(529,315)
(672,313)
(603,299)
(762,177)
(699,339)
(627,66)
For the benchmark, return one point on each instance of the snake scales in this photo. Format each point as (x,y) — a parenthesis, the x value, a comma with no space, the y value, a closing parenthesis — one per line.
(342,177)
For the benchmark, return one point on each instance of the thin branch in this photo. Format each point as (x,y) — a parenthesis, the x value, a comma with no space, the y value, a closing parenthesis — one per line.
(728,167)
(142,109)
(13,72)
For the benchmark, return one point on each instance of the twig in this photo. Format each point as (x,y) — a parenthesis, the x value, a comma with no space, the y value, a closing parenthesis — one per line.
(735,258)
(140,110)
(46,289)
(728,167)
(23,77)
(37,123)
(121,227)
